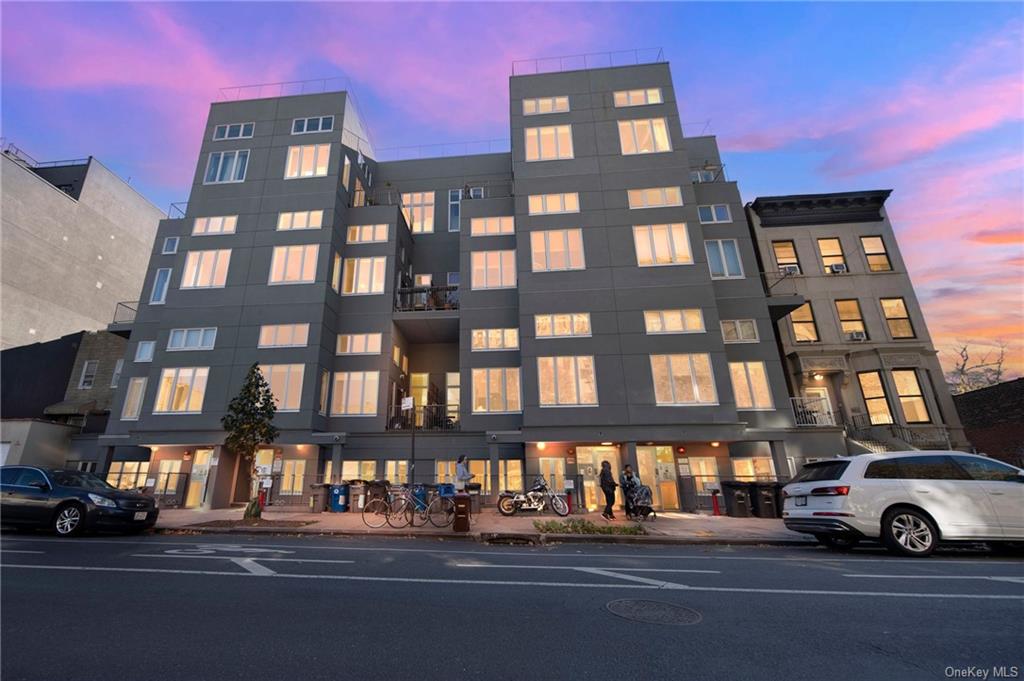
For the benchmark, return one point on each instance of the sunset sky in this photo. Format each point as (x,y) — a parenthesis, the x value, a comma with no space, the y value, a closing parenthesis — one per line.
(926,99)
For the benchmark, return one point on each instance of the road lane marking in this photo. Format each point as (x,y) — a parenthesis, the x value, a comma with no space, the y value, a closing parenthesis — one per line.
(584,567)
(495,582)
(632,578)
(252,566)
(995,578)
(262,559)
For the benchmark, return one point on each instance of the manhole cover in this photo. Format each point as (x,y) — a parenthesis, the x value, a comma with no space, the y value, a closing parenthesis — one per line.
(653,612)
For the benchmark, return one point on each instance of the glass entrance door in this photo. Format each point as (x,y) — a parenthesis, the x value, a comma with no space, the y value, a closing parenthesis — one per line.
(705,471)
(657,470)
(198,477)
(588,460)
(553,470)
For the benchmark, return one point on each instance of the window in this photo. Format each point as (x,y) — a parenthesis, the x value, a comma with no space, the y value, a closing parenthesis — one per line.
(301,126)
(547,204)
(874,251)
(931,467)
(358,194)
(804,328)
(739,330)
(233,131)
(494,225)
(703,175)
(88,375)
(831,254)
(908,392)
(309,160)
(874,397)
(850,321)
(170,246)
(285,383)
(226,166)
(292,473)
(367,234)
(418,209)
(885,470)
(127,474)
(984,469)
(754,469)
(160,280)
(545,105)
(654,197)
(294,264)
(750,385)
(224,224)
(683,380)
(454,205)
(493,269)
(637,97)
(355,393)
(714,213)
(557,249)
(303,219)
(144,351)
(657,245)
(396,355)
(359,470)
(363,276)
(453,397)
(405,364)
(192,339)
(358,344)
(325,387)
(548,143)
(724,259)
(495,339)
(674,321)
(510,474)
(785,255)
(346,172)
(496,390)
(562,325)
(566,381)
(181,390)
(396,471)
(647,136)
(283,335)
(897,318)
(206,269)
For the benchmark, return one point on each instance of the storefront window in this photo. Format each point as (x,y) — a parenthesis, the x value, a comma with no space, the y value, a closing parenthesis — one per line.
(444,471)
(510,475)
(758,468)
(396,471)
(128,474)
(292,474)
(359,470)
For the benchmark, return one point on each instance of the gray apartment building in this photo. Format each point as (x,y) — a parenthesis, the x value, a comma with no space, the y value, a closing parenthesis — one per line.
(593,294)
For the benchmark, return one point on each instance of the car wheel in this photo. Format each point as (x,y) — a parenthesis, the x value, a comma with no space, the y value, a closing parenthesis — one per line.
(69,520)
(909,532)
(837,543)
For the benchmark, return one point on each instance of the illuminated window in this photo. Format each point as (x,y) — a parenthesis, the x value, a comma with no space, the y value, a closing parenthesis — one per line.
(181,390)
(283,335)
(216,225)
(562,325)
(493,225)
(877,256)
(908,391)
(545,105)
(309,160)
(637,97)
(303,219)
(874,398)
(750,385)
(493,269)
(292,473)
(496,390)
(681,380)
(494,339)
(127,474)
(546,204)
(549,143)
(662,245)
(418,208)
(355,393)
(363,276)
(133,399)
(897,318)
(804,328)
(557,249)
(358,344)
(325,388)
(655,197)
(739,330)
(294,264)
(831,254)
(367,234)
(648,136)
(206,269)
(850,320)
(285,383)
(785,255)
(674,321)
(567,381)
(346,172)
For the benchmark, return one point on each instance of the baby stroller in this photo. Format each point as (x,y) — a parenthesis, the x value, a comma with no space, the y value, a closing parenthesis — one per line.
(640,504)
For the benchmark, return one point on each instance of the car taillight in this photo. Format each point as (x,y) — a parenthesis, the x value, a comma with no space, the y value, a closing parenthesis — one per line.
(838,491)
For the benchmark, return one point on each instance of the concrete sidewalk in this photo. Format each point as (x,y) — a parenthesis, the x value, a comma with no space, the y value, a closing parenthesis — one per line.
(489,525)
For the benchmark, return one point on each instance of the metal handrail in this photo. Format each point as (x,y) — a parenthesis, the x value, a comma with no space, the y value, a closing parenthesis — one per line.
(436,417)
(124,313)
(177,210)
(813,411)
(591,60)
(421,298)
(284,88)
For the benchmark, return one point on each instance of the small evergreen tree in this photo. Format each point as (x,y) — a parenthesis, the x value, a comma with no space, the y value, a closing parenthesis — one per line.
(249,424)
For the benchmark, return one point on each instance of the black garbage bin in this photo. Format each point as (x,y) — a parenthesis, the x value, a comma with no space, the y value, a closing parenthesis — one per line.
(473,489)
(764,501)
(319,498)
(737,498)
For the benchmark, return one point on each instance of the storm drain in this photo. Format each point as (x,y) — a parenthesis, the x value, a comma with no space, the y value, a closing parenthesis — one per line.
(653,612)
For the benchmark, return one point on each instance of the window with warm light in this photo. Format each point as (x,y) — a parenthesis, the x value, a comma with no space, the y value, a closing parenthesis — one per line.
(674,321)
(785,255)
(805,330)
(418,208)
(355,393)
(750,385)
(206,269)
(549,143)
(310,160)
(877,256)
(181,390)
(850,320)
(224,224)
(494,339)
(303,219)
(567,381)
(654,197)
(623,98)
(739,330)
(283,336)
(875,399)
(285,383)
(557,249)
(545,105)
(831,254)
(547,204)
(897,318)
(493,269)
(363,276)
(646,136)
(294,264)
(562,325)
(496,390)
(910,396)
(490,226)
(358,344)
(658,245)
(683,380)
(367,234)
(133,399)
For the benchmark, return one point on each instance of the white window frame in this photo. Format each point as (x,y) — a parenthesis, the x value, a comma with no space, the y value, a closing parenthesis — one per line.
(545,199)
(300,151)
(357,264)
(378,234)
(670,360)
(504,390)
(153,299)
(457,203)
(414,207)
(140,356)
(118,368)
(290,390)
(495,225)
(666,200)
(226,127)
(274,330)
(486,286)
(305,252)
(721,249)
(346,171)
(700,176)
(576,378)
(546,236)
(737,324)
(217,254)
(553,324)
(715,220)
(95,365)
(366,338)
(662,317)
(629,132)
(505,333)
(136,393)
(325,392)
(560,154)
(214,225)
(175,373)
(641,231)
(362,393)
(170,246)
(749,387)
(643,97)
(235,155)
(207,339)
(555,104)
(305,124)
(287,220)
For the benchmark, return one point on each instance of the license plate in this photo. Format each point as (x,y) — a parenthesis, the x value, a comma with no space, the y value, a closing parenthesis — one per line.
(799,501)
(140,515)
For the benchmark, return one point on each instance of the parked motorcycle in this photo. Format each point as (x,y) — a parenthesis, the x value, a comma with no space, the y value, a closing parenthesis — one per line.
(536,499)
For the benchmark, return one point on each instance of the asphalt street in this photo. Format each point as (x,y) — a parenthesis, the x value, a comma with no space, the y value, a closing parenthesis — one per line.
(223,608)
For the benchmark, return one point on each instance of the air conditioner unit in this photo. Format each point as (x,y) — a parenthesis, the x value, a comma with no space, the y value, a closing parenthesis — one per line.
(789,270)
(857,336)
(838,268)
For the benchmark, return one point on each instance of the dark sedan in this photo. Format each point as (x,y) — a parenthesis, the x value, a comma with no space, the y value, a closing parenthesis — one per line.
(69,502)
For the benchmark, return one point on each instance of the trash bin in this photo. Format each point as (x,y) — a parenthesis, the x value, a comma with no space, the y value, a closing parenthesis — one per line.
(462,506)
(340,498)
(319,498)
(763,499)
(356,495)
(420,493)
(473,490)
(737,498)
(778,498)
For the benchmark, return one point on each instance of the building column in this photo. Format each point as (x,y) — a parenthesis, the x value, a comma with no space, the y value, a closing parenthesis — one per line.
(335,462)
(782,471)
(105,459)
(627,454)
(220,483)
(492,451)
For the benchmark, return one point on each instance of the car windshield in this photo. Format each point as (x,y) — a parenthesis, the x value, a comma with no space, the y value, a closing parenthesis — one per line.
(823,470)
(80,479)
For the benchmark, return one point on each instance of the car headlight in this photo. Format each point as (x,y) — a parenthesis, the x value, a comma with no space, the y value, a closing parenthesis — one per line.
(102,501)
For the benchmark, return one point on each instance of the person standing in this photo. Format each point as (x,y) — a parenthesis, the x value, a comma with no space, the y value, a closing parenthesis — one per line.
(608,486)
(629,483)
(462,474)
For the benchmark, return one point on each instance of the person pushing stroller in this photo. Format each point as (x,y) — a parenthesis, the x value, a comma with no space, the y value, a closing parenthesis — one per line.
(629,482)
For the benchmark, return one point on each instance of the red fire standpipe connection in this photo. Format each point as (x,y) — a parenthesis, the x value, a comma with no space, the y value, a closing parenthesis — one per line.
(714,504)
(568,499)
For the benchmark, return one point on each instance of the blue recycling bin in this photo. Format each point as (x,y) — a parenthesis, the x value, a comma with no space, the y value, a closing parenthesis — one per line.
(339,498)
(420,492)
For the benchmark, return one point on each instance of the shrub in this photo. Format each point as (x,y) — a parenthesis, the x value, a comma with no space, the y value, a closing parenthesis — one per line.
(581,526)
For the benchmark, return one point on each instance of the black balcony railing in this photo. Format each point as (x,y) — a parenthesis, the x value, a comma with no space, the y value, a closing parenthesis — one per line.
(125,313)
(177,210)
(434,417)
(422,298)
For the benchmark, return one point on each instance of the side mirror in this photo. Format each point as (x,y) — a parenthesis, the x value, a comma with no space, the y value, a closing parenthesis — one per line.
(40,485)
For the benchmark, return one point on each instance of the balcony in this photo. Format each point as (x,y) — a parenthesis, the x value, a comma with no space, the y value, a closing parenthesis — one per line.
(781,299)
(429,417)
(124,317)
(813,412)
(422,298)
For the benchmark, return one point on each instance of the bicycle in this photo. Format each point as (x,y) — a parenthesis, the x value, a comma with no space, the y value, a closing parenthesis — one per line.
(406,509)
(377,510)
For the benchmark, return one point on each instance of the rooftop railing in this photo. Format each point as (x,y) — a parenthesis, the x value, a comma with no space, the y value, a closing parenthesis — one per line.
(124,313)
(593,60)
(177,210)
(22,156)
(444,149)
(284,89)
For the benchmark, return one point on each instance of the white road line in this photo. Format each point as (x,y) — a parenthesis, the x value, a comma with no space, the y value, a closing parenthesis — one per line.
(632,578)
(583,567)
(252,566)
(994,578)
(494,582)
(262,559)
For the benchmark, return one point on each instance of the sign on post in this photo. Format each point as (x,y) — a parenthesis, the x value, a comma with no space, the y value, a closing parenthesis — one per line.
(406,404)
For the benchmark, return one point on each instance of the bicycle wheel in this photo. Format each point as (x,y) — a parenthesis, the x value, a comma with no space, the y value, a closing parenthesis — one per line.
(400,513)
(441,512)
(375,513)
(419,516)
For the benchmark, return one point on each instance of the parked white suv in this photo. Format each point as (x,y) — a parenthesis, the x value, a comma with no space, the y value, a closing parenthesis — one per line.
(908,500)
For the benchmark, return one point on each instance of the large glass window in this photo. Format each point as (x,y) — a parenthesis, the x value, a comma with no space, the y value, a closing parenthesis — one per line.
(181,390)
(785,256)
(832,254)
(875,400)
(877,256)
(637,97)
(850,320)
(567,381)
(557,249)
(222,224)
(754,469)
(202,338)
(292,473)
(308,160)
(128,474)
(359,470)
(562,325)
(493,269)
(690,320)
(546,204)
(510,475)
(363,276)
(897,318)
(545,105)
(284,335)
(504,224)
(233,131)
(226,166)
(662,245)
(286,383)
(133,399)
(453,394)
(294,264)
(162,277)
(496,390)
(681,380)
(804,328)
(495,339)
(418,208)
(654,197)
(302,219)
(206,269)
(739,330)
(358,344)
(724,259)
(750,385)
(645,136)
(355,393)
(548,143)
(908,391)
(714,213)
(367,234)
